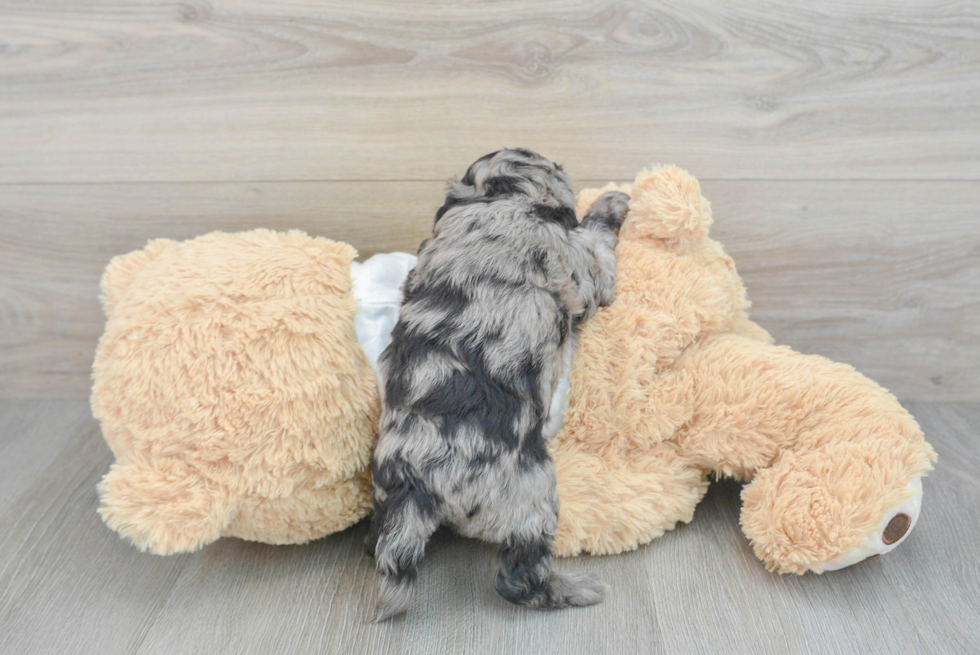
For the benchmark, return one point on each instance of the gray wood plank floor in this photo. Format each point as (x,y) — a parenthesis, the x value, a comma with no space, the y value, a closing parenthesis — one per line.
(69,585)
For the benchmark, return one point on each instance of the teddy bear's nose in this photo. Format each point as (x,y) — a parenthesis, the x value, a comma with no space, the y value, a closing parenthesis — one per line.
(896,528)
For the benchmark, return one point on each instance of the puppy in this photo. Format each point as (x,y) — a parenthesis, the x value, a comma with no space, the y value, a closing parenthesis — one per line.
(468,378)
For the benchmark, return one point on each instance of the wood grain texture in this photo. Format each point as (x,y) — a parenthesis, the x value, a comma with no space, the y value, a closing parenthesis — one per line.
(32,434)
(882,275)
(69,585)
(110,91)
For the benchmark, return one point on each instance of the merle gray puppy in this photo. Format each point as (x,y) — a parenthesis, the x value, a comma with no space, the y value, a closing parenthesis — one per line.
(488,313)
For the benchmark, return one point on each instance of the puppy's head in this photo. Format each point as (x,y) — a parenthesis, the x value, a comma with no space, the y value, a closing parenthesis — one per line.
(514,172)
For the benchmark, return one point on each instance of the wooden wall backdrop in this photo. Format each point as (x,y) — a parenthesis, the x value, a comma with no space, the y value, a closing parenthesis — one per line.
(838,141)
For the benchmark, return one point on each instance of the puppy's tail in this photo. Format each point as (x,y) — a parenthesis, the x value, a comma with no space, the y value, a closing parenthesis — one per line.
(401,529)
(397,592)
(524,577)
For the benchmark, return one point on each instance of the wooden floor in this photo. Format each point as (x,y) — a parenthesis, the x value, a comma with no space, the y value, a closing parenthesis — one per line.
(70,585)
(839,143)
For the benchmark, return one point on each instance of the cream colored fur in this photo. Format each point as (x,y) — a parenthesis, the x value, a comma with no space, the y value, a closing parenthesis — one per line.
(232,392)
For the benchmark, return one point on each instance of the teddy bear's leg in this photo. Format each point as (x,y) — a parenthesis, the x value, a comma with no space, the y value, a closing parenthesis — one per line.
(834,460)
(616,500)
(164,507)
(827,509)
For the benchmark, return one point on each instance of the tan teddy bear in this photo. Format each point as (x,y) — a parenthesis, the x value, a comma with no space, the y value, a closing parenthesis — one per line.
(235,388)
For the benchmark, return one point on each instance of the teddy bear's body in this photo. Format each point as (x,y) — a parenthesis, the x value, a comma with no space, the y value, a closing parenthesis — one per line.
(238,402)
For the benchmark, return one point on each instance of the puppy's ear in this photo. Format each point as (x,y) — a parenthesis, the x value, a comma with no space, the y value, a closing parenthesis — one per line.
(457,192)
(469,178)
(460,190)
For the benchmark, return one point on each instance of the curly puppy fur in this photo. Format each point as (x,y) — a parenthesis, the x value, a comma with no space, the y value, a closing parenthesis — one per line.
(467,382)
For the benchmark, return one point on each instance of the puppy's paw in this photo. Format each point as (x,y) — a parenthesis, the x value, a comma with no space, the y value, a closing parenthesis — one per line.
(578,589)
(370,543)
(609,209)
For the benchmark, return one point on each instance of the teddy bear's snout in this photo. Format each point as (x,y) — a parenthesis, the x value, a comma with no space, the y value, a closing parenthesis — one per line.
(896,528)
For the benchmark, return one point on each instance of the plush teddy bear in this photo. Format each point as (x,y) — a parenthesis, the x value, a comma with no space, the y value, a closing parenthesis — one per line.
(234,386)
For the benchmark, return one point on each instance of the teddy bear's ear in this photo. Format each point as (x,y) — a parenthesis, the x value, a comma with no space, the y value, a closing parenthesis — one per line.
(164,507)
(666,203)
(588,196)
(122,270)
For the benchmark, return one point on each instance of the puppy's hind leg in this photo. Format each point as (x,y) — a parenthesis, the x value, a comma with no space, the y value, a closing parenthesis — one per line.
(403,523)
(524,577)
(524,574)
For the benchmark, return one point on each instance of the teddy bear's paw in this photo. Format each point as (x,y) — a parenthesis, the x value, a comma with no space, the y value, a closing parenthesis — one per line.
(895,526)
